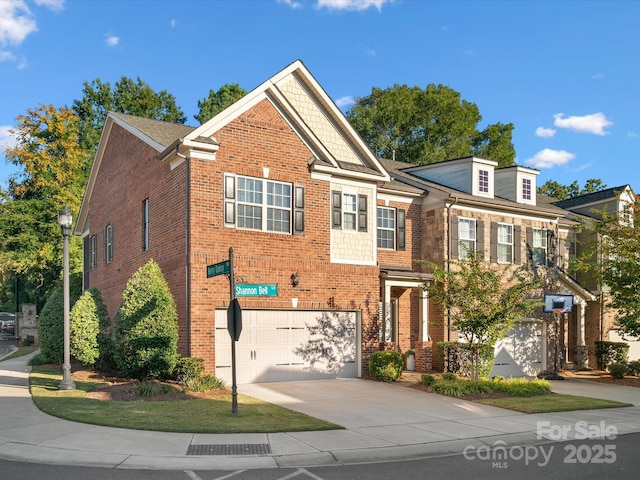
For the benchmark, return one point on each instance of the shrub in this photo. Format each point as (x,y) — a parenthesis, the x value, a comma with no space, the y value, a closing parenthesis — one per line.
(207,382)
(88,318)
(146,326)
(449,376)
(610,352)
(634,368)
(385,365)
(427,379)
(618,370)
(458,358)
(151,389)
(51,327)
(450,388)
(188,371)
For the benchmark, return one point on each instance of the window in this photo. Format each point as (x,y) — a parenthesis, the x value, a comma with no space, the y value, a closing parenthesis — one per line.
(505,243)
(466,237)
(572,245)
(349,211)
(386,219)
(539,254)
(145,225)
(526,189)
(267,205)
(107,244)
(483,181)
(94,252)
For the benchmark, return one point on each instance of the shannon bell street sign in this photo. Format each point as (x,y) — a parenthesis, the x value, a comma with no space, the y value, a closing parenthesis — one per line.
(263,290)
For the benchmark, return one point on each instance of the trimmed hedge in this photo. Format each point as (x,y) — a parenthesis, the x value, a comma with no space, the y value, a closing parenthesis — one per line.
(386,365)
(89,318)
(610,352)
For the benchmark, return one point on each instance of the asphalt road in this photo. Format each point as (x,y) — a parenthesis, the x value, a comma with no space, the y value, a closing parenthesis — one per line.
(580,460)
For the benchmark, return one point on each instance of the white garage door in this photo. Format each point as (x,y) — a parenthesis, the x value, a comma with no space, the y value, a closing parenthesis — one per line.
(522,352)
(634,344)
(281,345)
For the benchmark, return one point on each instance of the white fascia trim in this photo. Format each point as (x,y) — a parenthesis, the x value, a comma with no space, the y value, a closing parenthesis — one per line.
(137,133)
(200,155)
(373,263)
(553,219)
(399,199)
(339,173)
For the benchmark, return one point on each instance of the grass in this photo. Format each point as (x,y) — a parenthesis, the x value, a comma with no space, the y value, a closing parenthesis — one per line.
(192,416)
(20,352)
(521,395)
(551,403)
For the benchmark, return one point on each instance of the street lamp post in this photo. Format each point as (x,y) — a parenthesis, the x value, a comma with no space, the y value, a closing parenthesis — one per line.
(65,219)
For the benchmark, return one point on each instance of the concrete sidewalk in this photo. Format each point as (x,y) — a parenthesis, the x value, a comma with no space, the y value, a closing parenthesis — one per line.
(383,422)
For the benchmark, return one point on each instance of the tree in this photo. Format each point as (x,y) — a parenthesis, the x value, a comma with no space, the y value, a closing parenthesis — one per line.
(215,102)
(53,173)
(553,189)
(483,302)
(126,96)
(87,322)
(617,251)
(146,326)
(428,126)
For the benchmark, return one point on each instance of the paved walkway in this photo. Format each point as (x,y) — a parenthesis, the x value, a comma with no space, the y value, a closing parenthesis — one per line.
(383,422)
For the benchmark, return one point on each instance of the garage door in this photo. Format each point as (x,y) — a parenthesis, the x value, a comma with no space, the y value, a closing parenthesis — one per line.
(282,345)
(634,344)
(522,352)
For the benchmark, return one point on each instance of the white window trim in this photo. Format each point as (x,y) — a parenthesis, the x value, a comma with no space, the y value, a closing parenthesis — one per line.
(264,205)
(499,243)
(354,194)
(387,229)
(462,253)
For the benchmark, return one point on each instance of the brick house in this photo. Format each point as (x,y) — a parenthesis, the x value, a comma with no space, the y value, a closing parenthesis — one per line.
(324,235)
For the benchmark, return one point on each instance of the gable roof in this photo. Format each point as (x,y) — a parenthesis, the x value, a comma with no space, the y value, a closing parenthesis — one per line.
(595,197)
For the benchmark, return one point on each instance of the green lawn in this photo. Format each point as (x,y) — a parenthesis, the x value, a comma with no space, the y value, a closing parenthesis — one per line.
(20,352)
(192,416)
(551,403)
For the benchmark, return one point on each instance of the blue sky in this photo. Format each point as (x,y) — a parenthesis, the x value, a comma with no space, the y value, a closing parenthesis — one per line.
(565,73)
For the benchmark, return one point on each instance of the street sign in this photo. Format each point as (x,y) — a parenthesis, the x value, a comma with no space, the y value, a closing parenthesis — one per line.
(258,290)
(218,269)
(234,319)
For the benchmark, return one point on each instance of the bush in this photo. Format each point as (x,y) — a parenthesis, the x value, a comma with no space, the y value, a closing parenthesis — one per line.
(449,376)
(206,383)
(89,317)
(634,368)
(618,370)
(151,389)
(427,379)
(51,327)
(610,352)
(146,326)
(188,371)
(458,358)
(385,365)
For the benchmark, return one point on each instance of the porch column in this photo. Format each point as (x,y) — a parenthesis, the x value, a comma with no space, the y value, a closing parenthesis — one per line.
(424,317)
(581,348)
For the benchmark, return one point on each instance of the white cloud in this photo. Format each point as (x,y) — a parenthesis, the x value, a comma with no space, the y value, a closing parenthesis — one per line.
(598,76)
(370,52)
(345,101)
(548,158)
(55,5)
(543,132)
(632,134)
(291,3)
(112,40)
(16,22)
(173,23)
(6,139)
(594,123)
(358,5)
(6,56)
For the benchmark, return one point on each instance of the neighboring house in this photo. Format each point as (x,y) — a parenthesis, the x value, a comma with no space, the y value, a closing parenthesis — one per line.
(324,235)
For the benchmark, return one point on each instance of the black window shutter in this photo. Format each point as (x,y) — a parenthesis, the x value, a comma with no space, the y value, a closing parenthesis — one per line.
(362,213)
(529,245)
(517,244)
(480,239)
(104,245)
(401,233)
(551,246)
(336,209)
(454,238)
(111,236)
(298,210)
(229,194)
(493,247)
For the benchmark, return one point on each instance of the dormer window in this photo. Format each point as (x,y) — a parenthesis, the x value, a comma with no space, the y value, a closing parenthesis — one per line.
(526,189)
(483,181)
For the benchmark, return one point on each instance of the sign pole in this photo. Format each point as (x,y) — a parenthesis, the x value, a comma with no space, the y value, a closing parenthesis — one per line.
(234,388)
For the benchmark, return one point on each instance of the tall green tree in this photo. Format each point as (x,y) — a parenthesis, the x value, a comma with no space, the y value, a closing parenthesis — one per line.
(53,171)
(215,102)
(554,189)
(428,126)
(125,96)
(483,302)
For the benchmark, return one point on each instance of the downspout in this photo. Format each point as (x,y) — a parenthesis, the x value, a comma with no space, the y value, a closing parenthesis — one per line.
(449,207)
(187,247)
